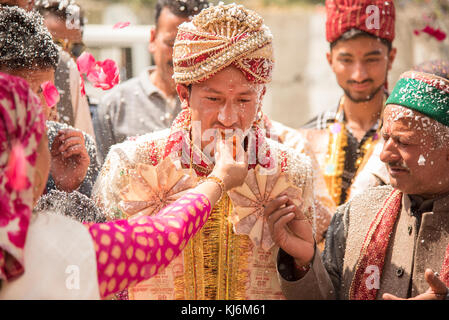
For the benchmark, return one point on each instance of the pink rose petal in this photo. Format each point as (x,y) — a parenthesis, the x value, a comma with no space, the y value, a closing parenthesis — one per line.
(51,94)
(93,75)
(106,76)
(82,86)
(121,25)
(103,74)
(85,62)
(16,168)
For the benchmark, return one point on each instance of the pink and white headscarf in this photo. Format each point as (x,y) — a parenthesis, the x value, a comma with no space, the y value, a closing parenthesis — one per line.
(21,127)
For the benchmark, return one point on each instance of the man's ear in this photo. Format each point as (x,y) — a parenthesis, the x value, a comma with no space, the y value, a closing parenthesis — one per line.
(151,45)
(391,57)
(329,58)
(183,93)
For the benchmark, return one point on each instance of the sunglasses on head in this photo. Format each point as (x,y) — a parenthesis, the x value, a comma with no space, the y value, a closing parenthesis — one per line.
(75,48)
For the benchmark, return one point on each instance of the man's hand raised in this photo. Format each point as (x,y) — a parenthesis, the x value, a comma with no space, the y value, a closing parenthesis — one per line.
(69,159)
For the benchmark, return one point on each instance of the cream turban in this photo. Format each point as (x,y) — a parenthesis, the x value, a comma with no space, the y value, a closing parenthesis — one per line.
(221,36)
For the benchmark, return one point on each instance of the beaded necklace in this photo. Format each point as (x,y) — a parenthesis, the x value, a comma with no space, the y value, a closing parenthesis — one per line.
(336,154)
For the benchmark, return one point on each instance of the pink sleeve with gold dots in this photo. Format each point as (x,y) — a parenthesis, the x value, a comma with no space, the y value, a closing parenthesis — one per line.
(130,251)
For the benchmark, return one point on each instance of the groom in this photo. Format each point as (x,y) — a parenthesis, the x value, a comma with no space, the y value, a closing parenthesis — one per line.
(223,60)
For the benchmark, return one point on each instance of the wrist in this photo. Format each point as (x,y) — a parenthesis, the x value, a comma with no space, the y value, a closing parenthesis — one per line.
(217,181)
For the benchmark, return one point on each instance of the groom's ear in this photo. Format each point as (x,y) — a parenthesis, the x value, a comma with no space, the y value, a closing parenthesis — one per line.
(183,93)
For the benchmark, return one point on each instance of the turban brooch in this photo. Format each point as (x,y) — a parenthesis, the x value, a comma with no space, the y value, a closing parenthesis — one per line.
(376,17)
(221,36)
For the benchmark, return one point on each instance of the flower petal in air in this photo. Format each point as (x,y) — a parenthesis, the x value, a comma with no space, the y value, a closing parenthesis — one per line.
(16,168)
(436,33)
(107,76)
(82,86)
(51,94)
(121,25)
(85,62)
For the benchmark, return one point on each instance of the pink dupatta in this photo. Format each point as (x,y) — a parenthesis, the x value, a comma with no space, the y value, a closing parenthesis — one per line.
(21,127)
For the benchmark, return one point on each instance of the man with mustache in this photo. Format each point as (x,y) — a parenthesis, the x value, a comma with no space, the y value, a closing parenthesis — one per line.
(346,139)
(388,242)
(149,101)
(223,61)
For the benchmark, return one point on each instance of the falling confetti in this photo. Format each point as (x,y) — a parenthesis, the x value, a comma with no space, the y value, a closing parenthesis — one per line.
(422,160)
(121,25)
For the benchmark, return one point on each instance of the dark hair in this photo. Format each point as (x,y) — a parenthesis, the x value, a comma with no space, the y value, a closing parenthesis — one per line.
(25,42)
(356,33)
(62,9)
(181,8)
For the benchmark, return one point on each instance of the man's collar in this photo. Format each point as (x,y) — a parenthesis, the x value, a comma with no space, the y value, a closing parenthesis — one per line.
(148,87)
(420,204)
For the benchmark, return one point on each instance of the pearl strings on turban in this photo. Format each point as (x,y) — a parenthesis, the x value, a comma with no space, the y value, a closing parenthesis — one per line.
(221,36)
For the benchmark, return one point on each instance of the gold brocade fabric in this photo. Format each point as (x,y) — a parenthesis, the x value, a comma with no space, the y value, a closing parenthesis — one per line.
(335,164)
(334,167)
(216,264)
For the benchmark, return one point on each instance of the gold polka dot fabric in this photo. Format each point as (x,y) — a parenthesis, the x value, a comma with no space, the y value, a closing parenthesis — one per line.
(130,251)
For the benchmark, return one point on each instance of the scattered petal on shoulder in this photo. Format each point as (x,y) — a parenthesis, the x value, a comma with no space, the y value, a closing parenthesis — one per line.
(16,168)
(51,94)
(121,25)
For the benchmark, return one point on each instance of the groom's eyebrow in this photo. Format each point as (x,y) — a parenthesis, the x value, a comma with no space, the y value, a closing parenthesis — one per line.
(211,90)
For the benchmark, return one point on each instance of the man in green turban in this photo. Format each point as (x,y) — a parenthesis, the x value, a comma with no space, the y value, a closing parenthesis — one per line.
(388,242)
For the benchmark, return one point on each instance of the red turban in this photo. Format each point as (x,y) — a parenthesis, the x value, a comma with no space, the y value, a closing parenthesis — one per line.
(375,17)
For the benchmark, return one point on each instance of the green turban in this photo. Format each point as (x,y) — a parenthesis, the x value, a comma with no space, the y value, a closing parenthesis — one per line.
(423,92)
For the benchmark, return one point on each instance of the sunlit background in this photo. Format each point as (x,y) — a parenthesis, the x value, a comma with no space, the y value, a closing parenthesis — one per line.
(303,83)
